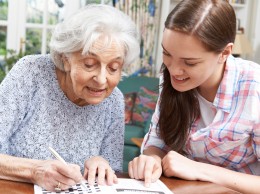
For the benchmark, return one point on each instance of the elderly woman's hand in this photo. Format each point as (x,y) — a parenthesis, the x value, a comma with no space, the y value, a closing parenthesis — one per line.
(100,167)
(51,174)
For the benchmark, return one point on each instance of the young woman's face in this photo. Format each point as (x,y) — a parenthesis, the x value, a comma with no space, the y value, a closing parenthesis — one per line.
(189,63)
(95,75)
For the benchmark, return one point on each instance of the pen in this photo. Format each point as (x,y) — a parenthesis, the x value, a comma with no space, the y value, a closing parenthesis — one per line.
(58,157)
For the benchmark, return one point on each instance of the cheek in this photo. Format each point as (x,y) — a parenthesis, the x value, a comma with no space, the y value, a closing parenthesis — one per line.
(166,60)
(113,81)
(79,78)
(199,75)
(202,74)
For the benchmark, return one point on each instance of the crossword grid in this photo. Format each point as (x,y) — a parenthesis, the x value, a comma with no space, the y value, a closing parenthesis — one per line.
(77,189)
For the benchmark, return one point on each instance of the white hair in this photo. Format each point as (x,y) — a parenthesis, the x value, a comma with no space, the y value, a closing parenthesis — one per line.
(81,30)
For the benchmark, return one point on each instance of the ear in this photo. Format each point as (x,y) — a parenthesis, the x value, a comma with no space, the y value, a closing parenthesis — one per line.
(66,63)
(225,53)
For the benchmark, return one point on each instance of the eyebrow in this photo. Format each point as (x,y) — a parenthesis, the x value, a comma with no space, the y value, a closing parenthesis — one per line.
(164,48)
(116,58)
(184,58)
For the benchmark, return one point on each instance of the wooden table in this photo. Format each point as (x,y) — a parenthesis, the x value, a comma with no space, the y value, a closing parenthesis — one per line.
(177,186)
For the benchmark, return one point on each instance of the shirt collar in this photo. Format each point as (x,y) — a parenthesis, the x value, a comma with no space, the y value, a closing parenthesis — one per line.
(226,89)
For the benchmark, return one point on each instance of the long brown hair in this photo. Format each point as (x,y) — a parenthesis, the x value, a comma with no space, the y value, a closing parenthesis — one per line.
(213,22)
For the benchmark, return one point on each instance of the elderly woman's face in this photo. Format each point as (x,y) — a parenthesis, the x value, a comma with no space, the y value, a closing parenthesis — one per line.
(94,76)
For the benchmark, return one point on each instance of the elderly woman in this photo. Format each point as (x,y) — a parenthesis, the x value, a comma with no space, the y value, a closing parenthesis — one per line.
(68,100)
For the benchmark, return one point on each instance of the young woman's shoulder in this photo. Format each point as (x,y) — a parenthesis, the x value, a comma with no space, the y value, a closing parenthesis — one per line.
(249,70)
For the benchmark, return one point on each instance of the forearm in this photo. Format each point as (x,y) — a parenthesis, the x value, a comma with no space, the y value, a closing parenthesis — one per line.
(16,169)
(241,182)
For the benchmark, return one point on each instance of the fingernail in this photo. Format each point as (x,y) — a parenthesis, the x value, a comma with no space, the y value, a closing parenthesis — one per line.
(147,184)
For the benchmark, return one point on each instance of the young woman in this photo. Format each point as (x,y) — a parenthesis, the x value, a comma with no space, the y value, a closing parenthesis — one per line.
(207,121)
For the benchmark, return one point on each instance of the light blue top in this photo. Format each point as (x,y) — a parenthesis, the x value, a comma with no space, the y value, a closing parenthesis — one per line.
(35,114)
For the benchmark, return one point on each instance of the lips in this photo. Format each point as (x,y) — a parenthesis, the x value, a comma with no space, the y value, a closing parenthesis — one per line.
(179,79)
(95,91)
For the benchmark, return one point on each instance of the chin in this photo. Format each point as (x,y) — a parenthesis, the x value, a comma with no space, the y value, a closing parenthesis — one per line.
(95,102)
(181,89)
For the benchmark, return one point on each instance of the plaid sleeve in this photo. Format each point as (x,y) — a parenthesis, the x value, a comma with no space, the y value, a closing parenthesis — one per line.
(152,137)
(256,141)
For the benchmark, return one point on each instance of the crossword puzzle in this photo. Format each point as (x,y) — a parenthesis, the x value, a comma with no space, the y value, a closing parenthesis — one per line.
(77,189)
(124,185)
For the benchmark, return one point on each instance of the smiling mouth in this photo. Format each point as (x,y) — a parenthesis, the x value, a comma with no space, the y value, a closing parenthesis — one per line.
(180,79)
(96,90)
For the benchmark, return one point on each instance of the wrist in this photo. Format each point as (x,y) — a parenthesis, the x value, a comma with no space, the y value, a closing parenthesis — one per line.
(204,171)
(36,171)
(16,169)
(157,158)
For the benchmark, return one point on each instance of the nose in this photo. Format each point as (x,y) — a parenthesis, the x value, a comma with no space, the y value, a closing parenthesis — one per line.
(101,76)
(176,68)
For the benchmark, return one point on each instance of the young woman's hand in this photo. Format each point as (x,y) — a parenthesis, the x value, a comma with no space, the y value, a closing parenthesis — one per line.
(175,164)
(51,174)
(98,166)
(147,168)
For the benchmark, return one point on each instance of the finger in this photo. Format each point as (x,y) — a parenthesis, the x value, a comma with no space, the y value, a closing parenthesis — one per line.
(166,171)
(166,168)
(62,186)
(76,169)
(92,175)
(130,169)
(85,173)
(63,179)
(115,179)
(71,171)
(110,176)
(101,175)
(163,160)
(164,163)
(67,181)
(141,165)
(135,169)
(148,171)
(156,174)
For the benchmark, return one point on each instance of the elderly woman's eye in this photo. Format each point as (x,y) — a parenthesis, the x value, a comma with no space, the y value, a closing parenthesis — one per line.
(89,65)
(111,70)
(113,67)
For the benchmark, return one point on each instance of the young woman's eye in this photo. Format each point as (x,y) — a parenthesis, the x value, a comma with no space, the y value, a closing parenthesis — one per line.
(190,64)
